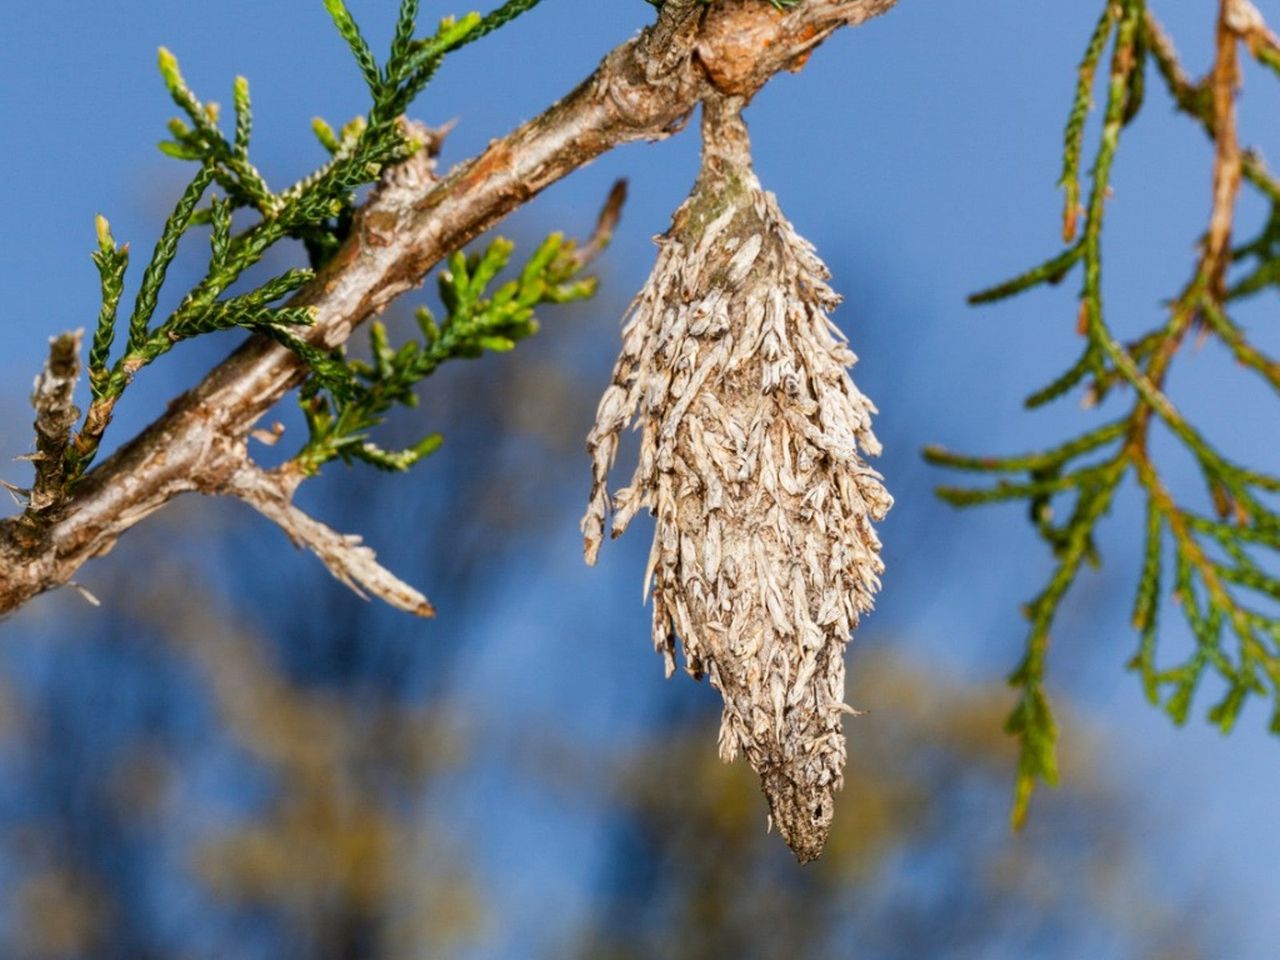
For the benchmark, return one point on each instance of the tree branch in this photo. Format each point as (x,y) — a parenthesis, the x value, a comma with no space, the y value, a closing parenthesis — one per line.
(644,89)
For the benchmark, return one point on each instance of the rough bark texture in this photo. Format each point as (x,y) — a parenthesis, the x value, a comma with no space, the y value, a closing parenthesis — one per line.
(751,458)
(643,90)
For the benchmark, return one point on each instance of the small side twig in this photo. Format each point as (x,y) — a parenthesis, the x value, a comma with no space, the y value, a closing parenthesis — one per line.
(606,223)
(1225,80)
(348,559)
(1220,578)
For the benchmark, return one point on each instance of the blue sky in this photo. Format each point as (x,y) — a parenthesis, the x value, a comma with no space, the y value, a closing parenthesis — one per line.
(919,153)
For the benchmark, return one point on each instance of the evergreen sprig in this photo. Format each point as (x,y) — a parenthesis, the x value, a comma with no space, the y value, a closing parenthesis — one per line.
(316,210)
(1217,563)
(477,320)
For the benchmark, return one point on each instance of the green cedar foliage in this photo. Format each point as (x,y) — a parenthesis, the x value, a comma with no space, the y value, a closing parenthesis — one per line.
(1215,561)
(316,210)
(478,319)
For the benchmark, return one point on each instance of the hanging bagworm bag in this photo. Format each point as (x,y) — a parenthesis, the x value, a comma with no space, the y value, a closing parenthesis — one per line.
(752,461)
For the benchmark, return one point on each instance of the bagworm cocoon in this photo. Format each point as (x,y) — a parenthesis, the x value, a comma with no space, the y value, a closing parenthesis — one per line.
(752,460)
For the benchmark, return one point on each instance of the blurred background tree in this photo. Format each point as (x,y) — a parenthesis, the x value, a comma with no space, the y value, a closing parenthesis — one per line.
(229,775)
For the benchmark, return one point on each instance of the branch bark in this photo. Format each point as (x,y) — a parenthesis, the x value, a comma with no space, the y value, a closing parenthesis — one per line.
(644,89)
